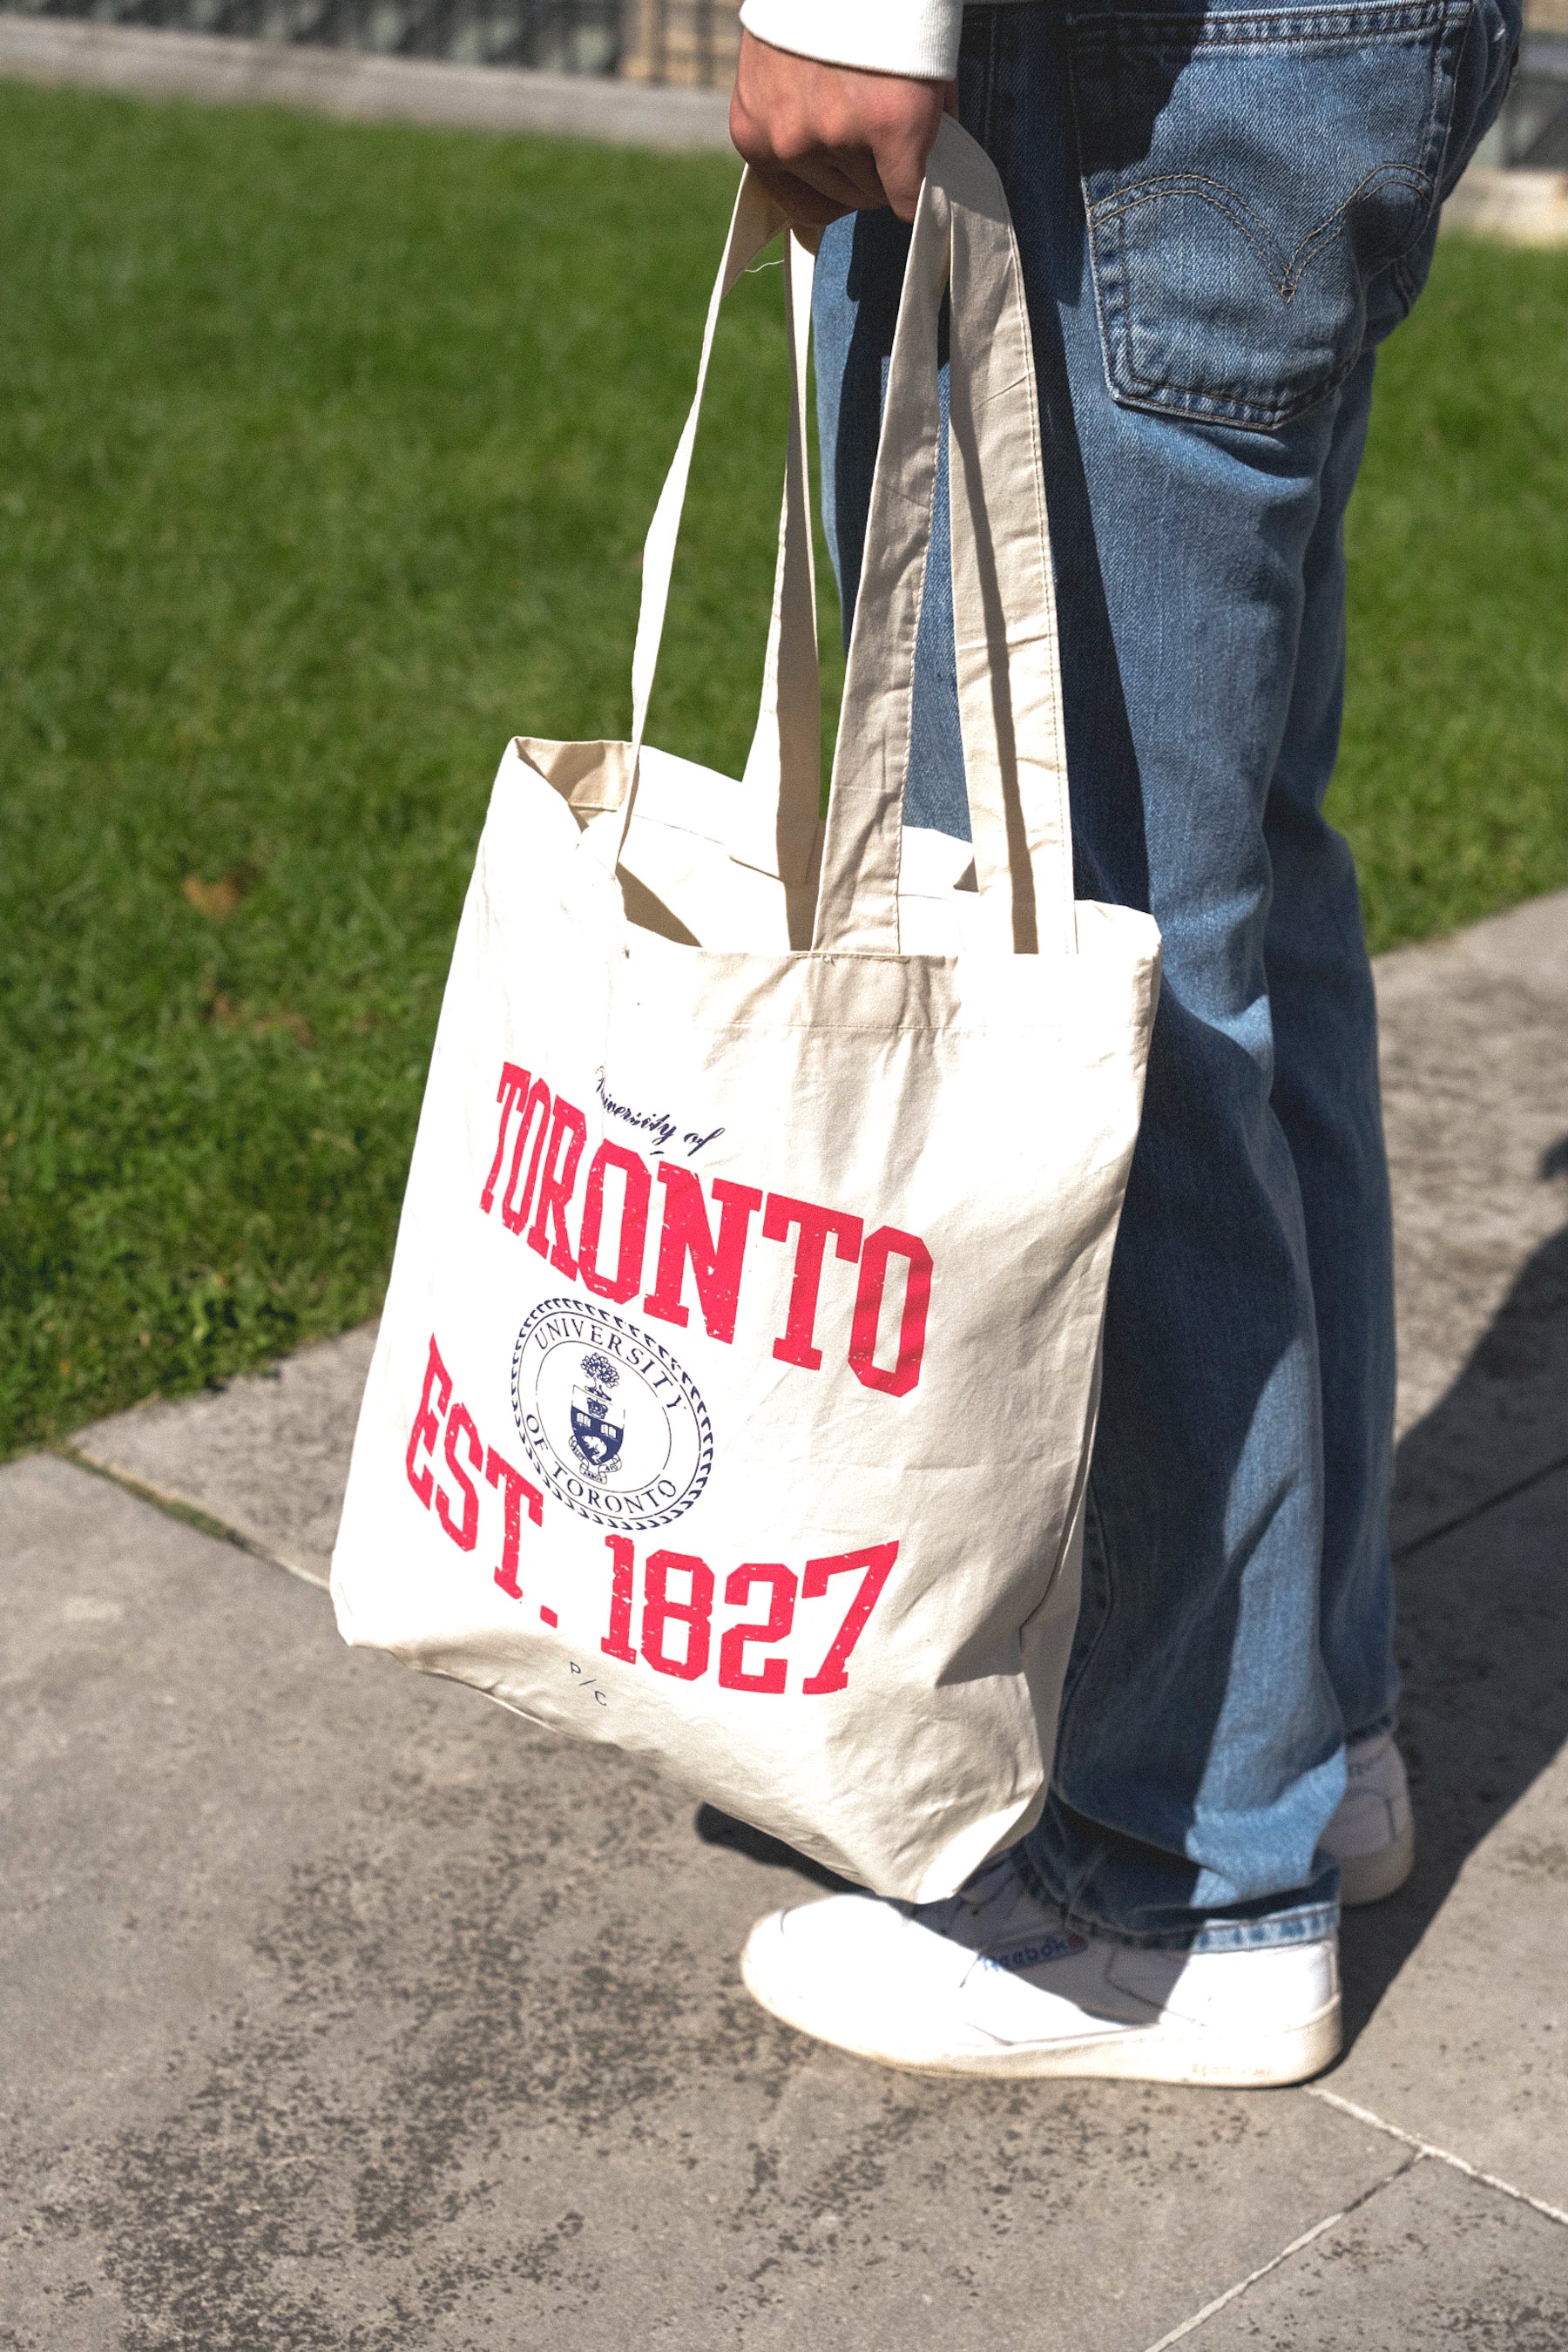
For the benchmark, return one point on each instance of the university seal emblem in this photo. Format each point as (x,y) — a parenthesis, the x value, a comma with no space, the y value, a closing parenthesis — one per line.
(613,1425)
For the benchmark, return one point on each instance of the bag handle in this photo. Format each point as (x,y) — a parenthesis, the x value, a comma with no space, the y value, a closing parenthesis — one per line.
(1005,642)
(777,814)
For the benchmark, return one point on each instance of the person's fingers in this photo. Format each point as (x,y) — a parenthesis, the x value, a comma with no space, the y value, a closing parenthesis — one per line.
(806,206)
(900,168)
(845,174)
(849,167)
(824,140)
(821,185)
(817,188)
(902,149)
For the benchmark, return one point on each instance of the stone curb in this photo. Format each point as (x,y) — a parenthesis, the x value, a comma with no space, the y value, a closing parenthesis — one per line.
(139,62)
(1521,207)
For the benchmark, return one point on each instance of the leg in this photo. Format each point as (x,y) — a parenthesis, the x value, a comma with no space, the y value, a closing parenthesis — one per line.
(1326,1099)
(1201,595)
(1324,1015)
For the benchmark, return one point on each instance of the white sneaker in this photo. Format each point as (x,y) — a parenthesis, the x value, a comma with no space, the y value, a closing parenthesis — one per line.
(1372,1835)
(993,1983)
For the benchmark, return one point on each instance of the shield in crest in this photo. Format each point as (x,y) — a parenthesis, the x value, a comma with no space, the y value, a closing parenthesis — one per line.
(597,1436)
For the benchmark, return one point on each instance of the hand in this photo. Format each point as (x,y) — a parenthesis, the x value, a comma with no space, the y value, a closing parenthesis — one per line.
(828,140)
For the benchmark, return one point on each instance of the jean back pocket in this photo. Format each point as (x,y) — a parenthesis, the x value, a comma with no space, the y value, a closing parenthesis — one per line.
(1245,174)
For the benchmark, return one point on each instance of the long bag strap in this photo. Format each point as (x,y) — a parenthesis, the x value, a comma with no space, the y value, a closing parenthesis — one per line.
(1005,642)
(776,815)
(779,811)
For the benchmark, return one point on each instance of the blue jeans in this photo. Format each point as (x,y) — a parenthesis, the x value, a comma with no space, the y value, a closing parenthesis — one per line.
(1220,216)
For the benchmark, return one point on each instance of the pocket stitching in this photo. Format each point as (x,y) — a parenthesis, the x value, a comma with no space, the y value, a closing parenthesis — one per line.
(1216,404)
(1285,27)
(1199,183)
(1100,37)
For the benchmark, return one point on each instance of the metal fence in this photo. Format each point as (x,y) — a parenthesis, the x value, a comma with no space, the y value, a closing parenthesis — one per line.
(692,42)
(1534,129)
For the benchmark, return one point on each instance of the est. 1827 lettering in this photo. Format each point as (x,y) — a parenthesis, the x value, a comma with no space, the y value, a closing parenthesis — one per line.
(677,1592)
(450,1467)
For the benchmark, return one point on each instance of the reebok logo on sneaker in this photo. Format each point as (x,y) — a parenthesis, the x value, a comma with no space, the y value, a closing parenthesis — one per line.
(1034,1955)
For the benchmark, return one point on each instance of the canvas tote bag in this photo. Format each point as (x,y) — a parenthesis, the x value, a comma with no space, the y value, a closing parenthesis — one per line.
(733,1398)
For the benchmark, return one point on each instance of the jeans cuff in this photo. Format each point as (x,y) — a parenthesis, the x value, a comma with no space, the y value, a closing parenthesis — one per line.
(1210,1931)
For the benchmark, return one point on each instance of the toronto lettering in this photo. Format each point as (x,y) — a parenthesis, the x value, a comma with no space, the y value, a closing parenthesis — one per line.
(589,1215)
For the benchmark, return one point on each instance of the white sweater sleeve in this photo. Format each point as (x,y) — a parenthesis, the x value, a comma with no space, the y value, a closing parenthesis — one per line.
(917,37)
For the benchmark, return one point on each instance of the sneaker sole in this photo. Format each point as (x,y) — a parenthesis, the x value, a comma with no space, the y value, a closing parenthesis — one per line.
(1135,2054)
(1370,1878)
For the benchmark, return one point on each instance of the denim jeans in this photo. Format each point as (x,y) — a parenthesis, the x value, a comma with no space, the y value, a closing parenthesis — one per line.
(1220,215)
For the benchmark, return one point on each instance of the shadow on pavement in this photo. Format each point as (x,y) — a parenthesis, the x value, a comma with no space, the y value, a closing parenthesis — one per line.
(715,1828)
(1483,1595)
(1483,1610)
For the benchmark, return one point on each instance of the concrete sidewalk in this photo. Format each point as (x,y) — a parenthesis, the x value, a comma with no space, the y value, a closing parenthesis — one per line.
(343,2011)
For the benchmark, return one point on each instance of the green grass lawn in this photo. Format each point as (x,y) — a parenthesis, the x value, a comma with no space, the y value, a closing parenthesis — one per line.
(325,452)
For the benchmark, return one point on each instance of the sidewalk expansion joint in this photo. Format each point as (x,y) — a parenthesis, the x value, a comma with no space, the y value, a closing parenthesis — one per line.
(1473,1511)
(1441,2154)
(1318,2230)
(173,1507)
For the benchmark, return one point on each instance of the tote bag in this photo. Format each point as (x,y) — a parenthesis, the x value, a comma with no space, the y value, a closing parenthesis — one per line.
(733,1398)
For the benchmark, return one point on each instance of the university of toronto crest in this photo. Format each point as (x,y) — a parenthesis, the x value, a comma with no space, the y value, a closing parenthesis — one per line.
(613,1422)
